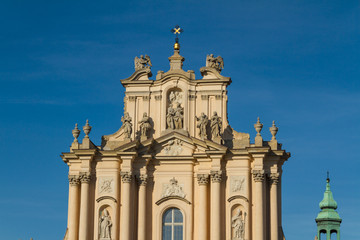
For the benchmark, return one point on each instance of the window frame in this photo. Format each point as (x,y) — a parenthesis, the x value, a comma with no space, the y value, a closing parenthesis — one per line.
(172,223)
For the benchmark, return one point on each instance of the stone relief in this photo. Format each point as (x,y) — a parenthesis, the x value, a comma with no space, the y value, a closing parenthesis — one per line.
(215,62)
(105,225)
(216,124)
(106,185)
(237,184)
(203,122)
(174,147)
(127,125)
(173,189)
(145,126)
(175,113)
(142,62)
(238,225)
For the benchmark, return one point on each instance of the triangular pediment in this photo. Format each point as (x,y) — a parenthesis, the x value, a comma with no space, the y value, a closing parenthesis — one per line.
(172,144)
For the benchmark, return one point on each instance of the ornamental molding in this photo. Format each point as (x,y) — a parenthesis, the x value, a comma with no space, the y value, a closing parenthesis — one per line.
(274,178)
(85,177)
(171,198)
(142,179)
(173,189)
(238,197)
(258,175)
(106,197)
(74,180)
(126,177)
(216,176)
(203,179)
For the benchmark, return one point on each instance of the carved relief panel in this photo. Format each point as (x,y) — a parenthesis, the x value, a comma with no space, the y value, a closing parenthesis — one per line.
(106,185)
(238,185)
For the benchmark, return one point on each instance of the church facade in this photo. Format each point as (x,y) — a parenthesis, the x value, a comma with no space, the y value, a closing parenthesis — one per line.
(176,169)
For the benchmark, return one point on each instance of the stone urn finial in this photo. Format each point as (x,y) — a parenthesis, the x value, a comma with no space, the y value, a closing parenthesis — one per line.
(273,130)
(76,133)
(258,126)
(87,129)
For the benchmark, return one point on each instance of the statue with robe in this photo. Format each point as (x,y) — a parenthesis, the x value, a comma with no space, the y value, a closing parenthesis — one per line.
(238,225)
(105,225)
(203,121)
(216,124)
(145,125)
(127,125)
(178,117)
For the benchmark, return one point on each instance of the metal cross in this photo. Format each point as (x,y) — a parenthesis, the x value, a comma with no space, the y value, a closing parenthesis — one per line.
(177,30)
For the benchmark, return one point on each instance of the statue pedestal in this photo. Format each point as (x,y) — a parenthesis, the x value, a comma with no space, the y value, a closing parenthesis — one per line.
(143,138)
(104,238)
(169,130)
(217,140)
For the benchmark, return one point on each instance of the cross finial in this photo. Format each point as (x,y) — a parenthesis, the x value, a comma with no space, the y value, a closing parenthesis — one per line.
(328,177)
(177,31)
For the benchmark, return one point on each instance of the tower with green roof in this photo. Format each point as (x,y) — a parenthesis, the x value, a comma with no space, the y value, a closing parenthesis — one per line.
(328,220)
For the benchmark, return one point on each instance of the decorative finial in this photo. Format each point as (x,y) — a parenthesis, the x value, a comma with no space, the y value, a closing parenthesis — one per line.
(76,133)
(87,129)
(177,31)
(273,130)
(328,177)
(258,126)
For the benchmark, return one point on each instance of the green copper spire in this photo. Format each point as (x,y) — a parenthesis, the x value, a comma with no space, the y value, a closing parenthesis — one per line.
(328,220)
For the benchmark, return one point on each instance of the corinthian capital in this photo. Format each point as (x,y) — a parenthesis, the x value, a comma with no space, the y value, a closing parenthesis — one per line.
(203,179)
(143,179)
(85,177)
(258,175)
(74,180)
(126,177)
(216,176)
(274,178)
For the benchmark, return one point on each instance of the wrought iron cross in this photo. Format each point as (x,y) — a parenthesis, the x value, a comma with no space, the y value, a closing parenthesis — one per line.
(177,31)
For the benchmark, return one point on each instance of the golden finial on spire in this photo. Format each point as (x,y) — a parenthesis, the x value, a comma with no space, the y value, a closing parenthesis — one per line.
(177,31)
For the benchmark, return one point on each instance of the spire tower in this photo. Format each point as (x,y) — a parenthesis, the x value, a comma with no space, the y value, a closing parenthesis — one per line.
(328,220)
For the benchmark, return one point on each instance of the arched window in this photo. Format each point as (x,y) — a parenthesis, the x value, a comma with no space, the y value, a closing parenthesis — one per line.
(172,225)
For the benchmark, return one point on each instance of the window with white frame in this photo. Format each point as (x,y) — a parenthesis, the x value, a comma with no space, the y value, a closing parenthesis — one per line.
(172,225)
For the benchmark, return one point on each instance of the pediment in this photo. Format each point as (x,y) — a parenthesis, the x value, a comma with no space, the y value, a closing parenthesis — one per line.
(173,144)
(212,74)
(139,76)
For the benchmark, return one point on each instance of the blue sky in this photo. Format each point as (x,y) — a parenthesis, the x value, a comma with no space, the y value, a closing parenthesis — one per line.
(296,62)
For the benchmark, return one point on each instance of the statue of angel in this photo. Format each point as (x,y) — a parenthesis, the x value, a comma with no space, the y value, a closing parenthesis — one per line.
(142,62)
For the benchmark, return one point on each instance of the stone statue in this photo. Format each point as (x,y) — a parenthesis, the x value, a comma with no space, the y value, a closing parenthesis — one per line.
(142,62)
(170,118)
(175,113)
(203,121)
(145,125)
(215,62)
(215,125)
(238,225)
(127,125)
(178,117)
(105,224)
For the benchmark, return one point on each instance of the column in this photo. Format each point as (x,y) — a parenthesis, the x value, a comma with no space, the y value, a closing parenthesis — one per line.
(274,217)
(215,233)
(142,207)
(73,219)
(258,197)
(126,178)
(203,180)
(84,206)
